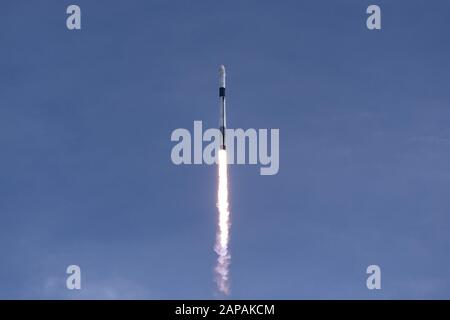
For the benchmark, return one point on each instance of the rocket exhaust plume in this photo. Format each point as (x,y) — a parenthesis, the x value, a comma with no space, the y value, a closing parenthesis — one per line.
(223,232)
(223,228)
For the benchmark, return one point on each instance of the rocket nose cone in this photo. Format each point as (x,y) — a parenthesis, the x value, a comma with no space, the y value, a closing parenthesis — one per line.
(222,76)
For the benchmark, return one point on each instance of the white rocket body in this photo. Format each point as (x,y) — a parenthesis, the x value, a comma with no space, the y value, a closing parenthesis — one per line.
(222,105)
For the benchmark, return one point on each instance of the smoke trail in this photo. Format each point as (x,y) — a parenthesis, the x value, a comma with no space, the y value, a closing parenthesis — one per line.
(222,238)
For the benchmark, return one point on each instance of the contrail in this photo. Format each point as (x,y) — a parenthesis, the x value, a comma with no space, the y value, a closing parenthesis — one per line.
(223,229)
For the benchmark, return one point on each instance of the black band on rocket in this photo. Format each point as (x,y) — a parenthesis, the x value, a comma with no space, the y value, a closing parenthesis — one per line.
(221,92)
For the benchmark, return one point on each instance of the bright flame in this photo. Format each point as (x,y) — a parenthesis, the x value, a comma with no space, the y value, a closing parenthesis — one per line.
(221,248)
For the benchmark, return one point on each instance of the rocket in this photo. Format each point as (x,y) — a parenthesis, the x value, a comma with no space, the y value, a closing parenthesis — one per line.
(222,106)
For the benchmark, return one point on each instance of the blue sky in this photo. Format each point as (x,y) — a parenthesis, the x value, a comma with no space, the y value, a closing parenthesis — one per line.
(85,170)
